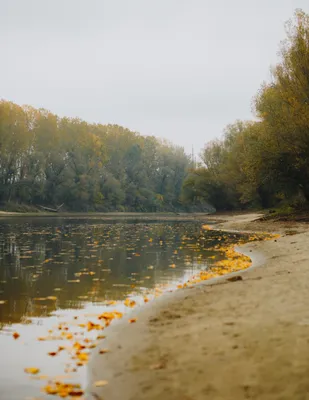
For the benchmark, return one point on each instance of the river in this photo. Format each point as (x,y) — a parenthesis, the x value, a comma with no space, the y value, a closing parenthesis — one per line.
(61,271)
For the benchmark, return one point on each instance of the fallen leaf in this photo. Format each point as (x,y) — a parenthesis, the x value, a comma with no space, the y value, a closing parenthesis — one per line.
(16,335)
(129,303)
(235,278)
(132,320)
(160,365)
(103,351)
(32,370)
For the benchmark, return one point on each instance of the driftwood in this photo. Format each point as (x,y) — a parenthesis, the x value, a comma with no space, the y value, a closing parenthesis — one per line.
(52,209)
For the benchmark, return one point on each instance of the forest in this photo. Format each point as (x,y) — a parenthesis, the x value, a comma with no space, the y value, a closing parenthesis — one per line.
(264,163)
(46,160)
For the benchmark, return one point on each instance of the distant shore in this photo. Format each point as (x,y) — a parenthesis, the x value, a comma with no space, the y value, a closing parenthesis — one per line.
(111,215)
(221,340)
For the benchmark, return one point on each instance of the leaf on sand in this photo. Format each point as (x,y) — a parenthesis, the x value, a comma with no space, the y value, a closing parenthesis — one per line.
(160,365)
(32,370)
(103,351)
(100,383)
(235,278)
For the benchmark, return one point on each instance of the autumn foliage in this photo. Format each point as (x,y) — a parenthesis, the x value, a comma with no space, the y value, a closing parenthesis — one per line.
(264,162)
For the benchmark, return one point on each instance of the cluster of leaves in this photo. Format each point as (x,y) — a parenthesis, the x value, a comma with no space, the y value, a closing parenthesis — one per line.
(48,160)
(264,162)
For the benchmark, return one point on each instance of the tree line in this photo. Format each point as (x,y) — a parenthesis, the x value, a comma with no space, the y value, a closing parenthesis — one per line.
(264,162)
(48,160)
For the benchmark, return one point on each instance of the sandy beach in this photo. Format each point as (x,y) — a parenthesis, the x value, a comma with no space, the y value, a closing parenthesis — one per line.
(247,339)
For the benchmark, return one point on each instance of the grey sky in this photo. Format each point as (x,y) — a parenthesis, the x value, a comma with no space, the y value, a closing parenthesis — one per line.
(179,69)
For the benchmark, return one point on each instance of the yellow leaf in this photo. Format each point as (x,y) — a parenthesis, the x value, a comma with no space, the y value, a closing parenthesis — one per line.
(32,370)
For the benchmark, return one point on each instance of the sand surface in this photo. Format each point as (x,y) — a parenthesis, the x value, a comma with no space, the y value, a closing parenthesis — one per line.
(222,340)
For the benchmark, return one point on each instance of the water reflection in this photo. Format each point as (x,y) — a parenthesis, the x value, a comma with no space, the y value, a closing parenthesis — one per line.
(51,268)
(81,261)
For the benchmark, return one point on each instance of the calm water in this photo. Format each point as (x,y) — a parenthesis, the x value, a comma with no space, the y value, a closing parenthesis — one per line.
(65,270)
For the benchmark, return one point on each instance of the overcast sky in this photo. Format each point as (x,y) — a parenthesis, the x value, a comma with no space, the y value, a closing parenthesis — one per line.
(178,69)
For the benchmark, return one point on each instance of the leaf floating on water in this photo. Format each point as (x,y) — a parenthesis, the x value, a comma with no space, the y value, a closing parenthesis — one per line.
(100,383)
(52,353)
(54,298)
(73,281)
(32,370)
(132,320)
(3,301)
(83,356)
(101,337)
(129,303)
(63,389)
(16,335)
(91,326)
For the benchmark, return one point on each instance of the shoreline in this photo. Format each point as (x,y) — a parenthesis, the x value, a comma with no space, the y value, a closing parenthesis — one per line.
(143,216)
(182,336)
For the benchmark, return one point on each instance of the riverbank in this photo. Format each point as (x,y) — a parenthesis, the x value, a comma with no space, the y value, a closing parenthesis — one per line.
(223,340)
(157,216)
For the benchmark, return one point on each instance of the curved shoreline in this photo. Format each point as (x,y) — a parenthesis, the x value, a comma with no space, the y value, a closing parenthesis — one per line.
(125,341)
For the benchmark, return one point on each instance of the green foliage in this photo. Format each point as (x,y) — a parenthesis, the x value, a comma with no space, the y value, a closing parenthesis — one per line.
(264,162)
(47,160)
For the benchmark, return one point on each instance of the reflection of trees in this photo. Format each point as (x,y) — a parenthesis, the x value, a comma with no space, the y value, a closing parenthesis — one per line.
(58,253)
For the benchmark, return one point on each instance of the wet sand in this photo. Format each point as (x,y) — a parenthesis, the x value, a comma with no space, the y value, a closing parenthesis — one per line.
(220,340)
